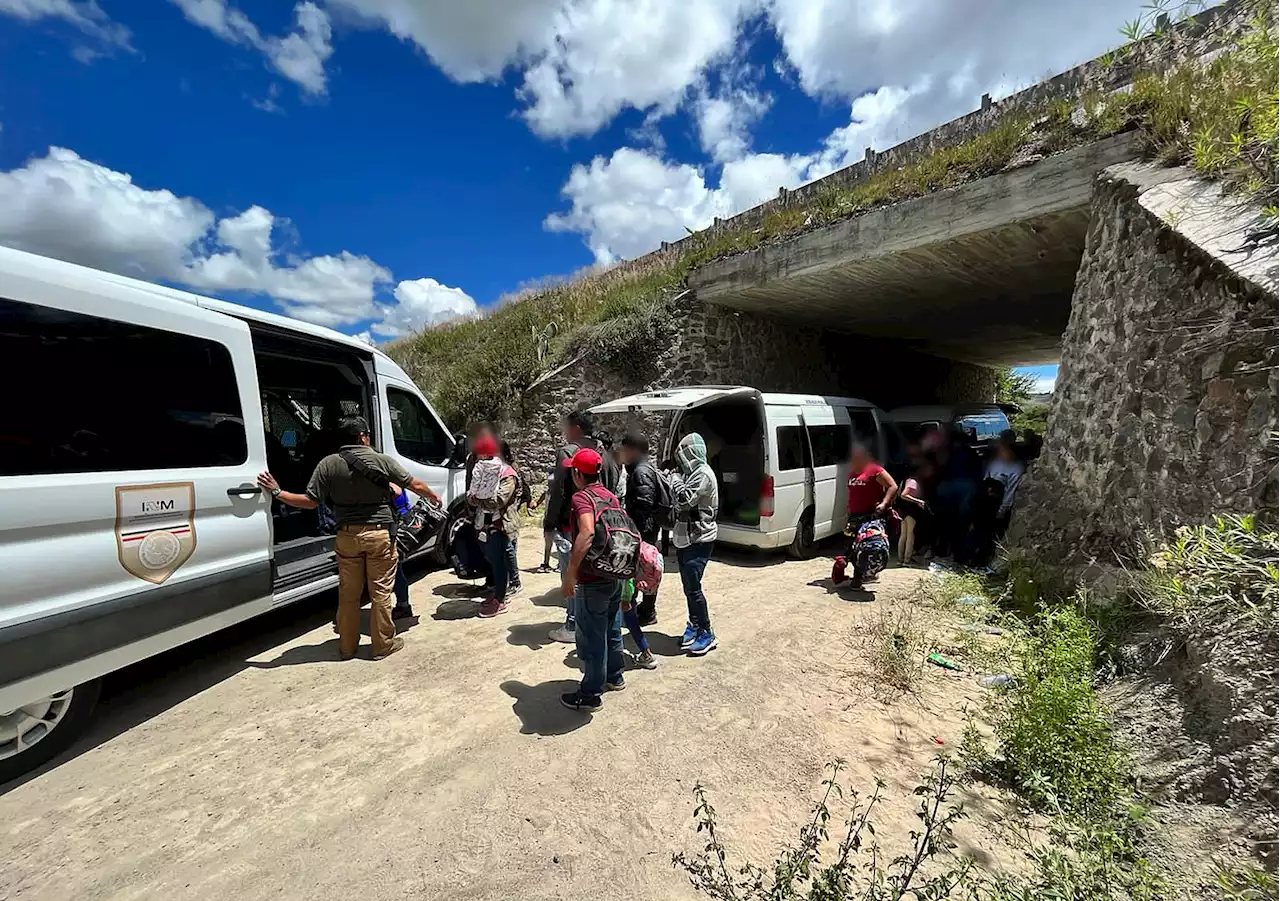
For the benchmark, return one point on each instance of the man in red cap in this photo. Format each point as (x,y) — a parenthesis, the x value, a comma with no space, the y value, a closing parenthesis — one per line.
(576,429)
(594,600)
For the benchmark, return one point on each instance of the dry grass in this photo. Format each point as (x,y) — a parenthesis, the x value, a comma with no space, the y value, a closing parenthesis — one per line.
(889,646)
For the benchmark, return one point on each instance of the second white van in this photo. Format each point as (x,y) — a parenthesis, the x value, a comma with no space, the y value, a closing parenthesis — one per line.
(781,460)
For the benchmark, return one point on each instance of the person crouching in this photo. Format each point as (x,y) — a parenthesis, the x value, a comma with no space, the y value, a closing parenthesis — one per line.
(871,494)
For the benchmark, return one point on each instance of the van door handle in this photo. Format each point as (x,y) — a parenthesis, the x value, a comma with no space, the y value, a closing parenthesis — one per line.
(244,490)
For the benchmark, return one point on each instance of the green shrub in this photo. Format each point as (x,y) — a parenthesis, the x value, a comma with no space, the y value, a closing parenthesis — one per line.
(1082,862)
(1222,570)
(926,871)
(1055,741)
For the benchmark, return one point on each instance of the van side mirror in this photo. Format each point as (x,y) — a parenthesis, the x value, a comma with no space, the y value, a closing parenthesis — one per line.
(460,451)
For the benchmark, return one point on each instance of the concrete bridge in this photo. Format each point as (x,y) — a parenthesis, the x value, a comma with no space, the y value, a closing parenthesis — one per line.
(1143,282)
(982,273)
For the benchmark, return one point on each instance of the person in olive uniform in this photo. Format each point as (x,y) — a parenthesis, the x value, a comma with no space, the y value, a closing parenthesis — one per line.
(356,483)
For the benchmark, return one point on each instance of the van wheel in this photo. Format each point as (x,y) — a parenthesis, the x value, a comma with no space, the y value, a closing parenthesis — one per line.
(803,546)
(442,553)
(35,733)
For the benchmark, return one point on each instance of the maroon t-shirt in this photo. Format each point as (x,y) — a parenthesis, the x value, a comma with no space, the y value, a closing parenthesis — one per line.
(865,490)
(581,503)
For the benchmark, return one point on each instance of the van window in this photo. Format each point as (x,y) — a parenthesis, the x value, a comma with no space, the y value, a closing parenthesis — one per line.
(97,395)
(831,444)
(985,426)
(793,451)
(414,431)
(864,426)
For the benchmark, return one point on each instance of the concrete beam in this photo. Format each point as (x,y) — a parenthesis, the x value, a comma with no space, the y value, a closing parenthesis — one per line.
(981,272)
(1052,185)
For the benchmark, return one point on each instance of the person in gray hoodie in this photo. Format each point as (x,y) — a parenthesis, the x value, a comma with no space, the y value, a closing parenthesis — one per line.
(697,503)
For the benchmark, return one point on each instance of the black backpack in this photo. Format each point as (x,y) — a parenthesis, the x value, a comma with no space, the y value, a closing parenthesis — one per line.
(664,498)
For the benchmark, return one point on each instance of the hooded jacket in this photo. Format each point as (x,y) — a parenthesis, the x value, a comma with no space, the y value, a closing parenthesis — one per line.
(697,497)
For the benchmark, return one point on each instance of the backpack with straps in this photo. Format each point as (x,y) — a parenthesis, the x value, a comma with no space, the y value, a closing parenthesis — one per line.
(664,499)
(615,547)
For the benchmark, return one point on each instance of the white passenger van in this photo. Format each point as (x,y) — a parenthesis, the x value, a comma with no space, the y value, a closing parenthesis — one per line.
(136,420)
(781,460)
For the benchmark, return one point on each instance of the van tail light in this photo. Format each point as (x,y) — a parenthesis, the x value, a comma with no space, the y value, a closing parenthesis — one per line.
(766,496)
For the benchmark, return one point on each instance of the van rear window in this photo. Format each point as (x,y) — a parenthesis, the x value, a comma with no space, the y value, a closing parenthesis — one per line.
(87,394)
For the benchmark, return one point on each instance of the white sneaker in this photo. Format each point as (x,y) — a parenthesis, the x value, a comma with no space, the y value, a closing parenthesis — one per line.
(560,633)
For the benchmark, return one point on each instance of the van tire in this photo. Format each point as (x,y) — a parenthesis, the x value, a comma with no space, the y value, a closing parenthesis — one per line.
(84,698)
(441,553)
(803,546)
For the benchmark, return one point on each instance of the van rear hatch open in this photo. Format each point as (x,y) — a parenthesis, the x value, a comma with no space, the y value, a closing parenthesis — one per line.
(731,422)
(673,399)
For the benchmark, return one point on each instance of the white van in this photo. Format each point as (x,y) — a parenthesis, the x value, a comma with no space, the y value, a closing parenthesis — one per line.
(136,420)
(781,460)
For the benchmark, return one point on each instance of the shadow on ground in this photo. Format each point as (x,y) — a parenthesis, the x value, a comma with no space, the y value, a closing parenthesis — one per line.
(137,693)
(539,709)
(458,608)
(553,598)
(844,592)
(531,635)
(457,590)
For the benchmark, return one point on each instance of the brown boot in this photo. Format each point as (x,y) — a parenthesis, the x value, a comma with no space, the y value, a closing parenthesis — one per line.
(396,644)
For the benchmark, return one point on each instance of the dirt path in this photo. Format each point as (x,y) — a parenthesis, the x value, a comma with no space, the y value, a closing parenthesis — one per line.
(255,765)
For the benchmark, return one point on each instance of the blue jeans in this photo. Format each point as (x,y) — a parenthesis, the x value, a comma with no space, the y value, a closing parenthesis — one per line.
(564,547)
(513,567)
(497,547)
(402,585)
(599,635)
(693,561)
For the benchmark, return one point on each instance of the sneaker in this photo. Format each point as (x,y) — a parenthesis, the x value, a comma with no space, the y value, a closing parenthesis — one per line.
(491,608)
(562,633)
(645,660)
(405,612)
(543,569)
(397,644)
(576,700)
(706,641)
(514,589)
(615,686)
(690,634)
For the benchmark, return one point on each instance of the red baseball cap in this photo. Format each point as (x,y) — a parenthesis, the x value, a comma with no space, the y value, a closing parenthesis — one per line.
(586,461)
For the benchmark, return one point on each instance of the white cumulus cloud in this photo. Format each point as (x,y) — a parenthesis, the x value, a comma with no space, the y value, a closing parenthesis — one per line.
(582,61)
(299,56)
(422,302)
(85,15)
(64,206)
(903,68)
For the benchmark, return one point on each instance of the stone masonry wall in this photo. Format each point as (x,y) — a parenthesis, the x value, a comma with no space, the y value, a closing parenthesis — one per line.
(1165,406)
(719,346)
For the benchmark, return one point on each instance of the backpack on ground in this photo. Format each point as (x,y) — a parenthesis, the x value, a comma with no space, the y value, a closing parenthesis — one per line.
(649,569)
(615,548)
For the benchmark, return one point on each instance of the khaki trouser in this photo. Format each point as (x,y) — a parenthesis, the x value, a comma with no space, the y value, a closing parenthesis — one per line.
(366,559)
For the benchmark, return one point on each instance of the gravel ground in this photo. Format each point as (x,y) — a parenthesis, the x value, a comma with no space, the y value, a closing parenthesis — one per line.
(254,764)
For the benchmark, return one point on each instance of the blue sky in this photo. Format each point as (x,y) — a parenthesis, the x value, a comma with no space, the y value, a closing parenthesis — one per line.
(378,165)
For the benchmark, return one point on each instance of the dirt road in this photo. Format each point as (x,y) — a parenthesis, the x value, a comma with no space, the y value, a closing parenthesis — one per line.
(255,765)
